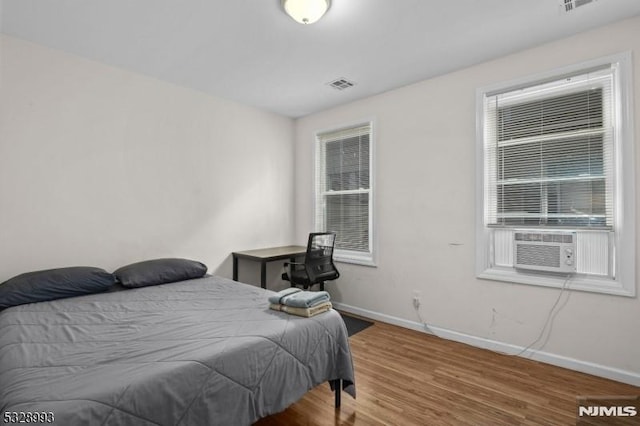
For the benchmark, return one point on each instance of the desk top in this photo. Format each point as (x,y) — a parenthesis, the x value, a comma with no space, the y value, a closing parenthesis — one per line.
(271,253)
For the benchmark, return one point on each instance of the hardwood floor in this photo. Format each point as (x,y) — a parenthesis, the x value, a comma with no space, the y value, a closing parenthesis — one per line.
(404,377)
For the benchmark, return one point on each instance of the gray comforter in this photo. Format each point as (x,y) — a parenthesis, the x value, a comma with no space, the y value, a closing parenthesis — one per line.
(198,352)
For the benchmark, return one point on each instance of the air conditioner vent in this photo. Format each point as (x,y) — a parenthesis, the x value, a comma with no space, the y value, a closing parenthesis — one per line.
(545,237)
(530,254)
(341,84)
(545,251)
(571,5)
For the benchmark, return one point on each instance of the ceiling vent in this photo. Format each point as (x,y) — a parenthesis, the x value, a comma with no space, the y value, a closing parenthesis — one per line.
(571,5)
(341,84)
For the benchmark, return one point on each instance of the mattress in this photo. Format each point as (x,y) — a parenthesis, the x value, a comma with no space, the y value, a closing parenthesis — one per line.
(200,352)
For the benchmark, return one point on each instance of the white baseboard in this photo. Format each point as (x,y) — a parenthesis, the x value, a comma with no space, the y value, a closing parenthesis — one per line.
(612,373)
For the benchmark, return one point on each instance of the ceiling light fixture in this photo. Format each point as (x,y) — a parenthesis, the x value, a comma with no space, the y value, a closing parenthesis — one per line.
(306,11)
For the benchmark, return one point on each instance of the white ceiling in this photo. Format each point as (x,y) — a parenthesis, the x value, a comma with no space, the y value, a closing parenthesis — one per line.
(251,52)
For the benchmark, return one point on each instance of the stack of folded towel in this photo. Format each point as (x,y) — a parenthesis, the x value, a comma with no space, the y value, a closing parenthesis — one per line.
(302,303)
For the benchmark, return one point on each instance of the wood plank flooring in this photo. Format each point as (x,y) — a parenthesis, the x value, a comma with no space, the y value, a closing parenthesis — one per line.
(404,377)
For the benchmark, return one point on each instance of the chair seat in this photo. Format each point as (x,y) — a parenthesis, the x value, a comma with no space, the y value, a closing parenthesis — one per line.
(298,277)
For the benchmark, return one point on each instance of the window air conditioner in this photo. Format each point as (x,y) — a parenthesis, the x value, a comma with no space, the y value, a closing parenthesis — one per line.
(545,251)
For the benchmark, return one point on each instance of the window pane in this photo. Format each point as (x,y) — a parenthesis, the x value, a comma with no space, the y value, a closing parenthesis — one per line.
(519,204)
(516,163)
(552,182)
(574,157)
(347,164)
(576,203)
(575,111)
(348,216)
(572,203)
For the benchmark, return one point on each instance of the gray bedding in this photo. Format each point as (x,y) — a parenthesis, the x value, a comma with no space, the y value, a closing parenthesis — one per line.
(199,352)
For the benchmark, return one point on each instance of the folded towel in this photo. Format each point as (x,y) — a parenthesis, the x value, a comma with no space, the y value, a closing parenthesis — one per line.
(302,312)
(305,299)
(276,298)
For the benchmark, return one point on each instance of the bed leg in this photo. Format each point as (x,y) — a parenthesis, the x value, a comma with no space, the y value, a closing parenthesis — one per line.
(337,387)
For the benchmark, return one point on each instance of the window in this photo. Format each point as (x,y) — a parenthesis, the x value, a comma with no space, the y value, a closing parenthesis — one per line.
(552,155)
(548,153)
(344,193)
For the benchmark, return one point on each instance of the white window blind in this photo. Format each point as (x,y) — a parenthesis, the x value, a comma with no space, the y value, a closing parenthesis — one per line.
(549,153)
(343,187)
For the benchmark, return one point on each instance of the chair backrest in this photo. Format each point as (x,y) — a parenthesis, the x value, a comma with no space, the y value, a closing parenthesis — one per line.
(319,258)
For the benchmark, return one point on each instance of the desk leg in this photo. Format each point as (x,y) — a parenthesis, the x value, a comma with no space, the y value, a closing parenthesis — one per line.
(263,274)
(235,268)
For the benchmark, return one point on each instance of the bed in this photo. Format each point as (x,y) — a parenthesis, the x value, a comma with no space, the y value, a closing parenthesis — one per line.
(205,351)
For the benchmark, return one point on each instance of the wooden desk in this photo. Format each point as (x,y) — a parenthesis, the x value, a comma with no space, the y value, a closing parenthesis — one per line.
(266,255)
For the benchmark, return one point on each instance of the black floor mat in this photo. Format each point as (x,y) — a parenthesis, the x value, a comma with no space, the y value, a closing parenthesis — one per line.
(354,325)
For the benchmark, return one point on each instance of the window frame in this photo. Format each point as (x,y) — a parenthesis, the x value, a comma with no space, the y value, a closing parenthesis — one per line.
(341,255)
(622,256)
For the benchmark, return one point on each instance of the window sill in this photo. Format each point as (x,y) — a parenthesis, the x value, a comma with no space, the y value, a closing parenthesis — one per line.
(603,285)
(363,259)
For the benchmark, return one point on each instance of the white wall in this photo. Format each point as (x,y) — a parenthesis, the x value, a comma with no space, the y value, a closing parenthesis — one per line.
(103,167)
(425,194)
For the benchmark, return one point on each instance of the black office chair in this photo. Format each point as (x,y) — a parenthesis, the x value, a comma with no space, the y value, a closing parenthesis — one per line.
(318,264)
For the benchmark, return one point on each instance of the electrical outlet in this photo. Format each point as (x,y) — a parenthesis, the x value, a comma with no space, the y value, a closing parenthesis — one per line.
(416,299)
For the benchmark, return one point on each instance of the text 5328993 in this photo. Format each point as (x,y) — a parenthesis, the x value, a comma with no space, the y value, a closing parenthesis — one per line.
(27,417)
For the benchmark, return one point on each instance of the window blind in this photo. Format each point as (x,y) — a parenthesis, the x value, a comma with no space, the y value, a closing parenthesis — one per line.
(343,187)
(549,153)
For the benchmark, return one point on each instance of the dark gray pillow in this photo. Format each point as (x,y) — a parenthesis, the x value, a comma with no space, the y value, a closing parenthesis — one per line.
(53,284)
(159,271)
